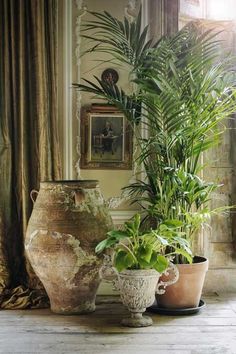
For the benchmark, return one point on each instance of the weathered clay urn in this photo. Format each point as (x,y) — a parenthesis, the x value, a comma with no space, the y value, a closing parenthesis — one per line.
(69,218)
(186,292)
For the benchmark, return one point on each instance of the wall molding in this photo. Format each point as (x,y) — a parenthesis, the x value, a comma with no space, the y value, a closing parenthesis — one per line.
(67,92)
(81,11)
(120,216)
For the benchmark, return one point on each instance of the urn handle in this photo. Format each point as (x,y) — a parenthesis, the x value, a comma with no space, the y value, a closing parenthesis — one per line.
(32,193)
(79,196)
(163,284)
(108,273)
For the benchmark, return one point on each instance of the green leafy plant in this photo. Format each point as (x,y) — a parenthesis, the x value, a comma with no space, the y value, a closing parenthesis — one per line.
(135,249)
(183,91)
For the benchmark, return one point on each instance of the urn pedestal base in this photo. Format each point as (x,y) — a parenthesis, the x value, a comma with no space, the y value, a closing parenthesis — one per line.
(137,320)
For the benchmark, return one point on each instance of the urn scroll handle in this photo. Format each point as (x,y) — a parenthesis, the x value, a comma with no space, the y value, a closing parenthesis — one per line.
(161,286)
(32,193)
(108,273)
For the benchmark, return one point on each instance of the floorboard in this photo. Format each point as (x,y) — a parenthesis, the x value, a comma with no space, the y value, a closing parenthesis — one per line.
(211,331)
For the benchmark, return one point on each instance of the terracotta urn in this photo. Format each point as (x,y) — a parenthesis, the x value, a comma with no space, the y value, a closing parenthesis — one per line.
(69,218)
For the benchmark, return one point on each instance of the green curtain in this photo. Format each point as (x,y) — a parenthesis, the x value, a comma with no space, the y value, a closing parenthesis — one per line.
(29,146)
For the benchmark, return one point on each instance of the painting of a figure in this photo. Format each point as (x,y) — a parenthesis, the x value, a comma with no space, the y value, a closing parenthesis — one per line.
(106,138)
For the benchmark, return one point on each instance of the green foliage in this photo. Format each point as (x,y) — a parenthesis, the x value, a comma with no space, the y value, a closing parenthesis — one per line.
(125,39)
(134,249)
(183,93)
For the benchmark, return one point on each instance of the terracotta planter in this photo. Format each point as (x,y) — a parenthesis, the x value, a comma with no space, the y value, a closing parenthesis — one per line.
(68,220)
(186,292)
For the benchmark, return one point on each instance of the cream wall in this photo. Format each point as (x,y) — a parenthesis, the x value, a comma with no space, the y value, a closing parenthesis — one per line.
(71,68)
(111,181)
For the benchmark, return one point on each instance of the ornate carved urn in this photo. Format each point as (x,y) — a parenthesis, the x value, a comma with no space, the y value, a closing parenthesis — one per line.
(137,289)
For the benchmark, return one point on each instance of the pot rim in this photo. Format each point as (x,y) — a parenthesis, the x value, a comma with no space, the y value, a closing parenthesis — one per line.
(139,272)
(68,181)
(203,261)
(70,184)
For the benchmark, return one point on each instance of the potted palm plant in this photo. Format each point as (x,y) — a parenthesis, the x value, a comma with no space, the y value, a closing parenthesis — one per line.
(139,258)
(182,93)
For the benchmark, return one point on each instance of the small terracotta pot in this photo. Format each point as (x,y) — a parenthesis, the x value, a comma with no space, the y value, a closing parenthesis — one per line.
(186,292)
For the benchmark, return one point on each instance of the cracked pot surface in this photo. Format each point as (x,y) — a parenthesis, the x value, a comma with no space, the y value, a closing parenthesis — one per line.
(69,218)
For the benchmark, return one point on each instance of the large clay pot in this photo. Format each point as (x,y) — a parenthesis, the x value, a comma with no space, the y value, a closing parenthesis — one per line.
(69,218)
(186,292)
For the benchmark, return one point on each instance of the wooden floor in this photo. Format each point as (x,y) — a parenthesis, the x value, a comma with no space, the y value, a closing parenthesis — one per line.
(40,331)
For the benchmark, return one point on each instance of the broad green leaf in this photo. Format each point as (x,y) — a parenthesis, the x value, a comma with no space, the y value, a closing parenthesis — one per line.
(119,261)
(101,246)
(136,222)
(143,264)
(129,260)
(161,264)
(118,234)
(185,254)
(145,252)
(107,243)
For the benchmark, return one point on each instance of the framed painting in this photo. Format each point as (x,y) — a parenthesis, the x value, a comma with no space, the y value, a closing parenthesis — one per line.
(106,141)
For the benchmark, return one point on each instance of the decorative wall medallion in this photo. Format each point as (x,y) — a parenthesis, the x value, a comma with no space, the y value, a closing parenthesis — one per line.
(110,76)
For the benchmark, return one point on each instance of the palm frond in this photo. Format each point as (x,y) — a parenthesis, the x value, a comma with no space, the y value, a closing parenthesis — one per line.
(183,93)
(123,38)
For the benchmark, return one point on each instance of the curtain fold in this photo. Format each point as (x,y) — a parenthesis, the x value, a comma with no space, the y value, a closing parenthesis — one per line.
(163,17)
(29,146)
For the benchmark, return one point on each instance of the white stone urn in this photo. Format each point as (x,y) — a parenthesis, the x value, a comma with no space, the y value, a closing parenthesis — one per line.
(137,290)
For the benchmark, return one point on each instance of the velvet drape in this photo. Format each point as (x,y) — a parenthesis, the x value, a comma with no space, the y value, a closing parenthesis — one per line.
(29,146)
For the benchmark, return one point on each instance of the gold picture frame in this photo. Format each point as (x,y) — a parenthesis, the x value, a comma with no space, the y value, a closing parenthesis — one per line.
(106,141)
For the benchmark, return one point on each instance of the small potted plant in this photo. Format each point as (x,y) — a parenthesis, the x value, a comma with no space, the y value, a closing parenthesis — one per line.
(139,258)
